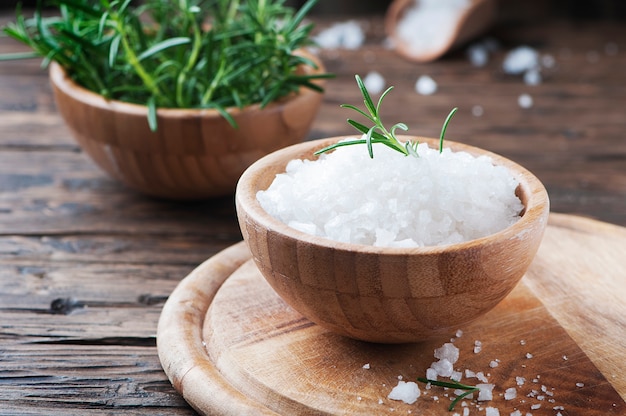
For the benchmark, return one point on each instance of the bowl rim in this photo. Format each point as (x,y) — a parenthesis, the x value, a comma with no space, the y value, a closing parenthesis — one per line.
(537,205)
(60,78)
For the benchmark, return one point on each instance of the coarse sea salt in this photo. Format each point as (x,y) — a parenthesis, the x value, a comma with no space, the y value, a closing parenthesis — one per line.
(341,35)
(407,391)
(394,200)
(428,25)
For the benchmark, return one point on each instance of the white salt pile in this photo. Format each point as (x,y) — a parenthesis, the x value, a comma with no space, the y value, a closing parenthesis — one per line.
(394,200)
(342,35)
(427,25)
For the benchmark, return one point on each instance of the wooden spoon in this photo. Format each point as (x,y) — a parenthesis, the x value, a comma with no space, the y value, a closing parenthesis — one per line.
(469,22)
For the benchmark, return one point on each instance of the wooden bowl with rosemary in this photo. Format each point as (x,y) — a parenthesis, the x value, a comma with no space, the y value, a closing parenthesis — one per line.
(194,153)
(382,294)
(174,99)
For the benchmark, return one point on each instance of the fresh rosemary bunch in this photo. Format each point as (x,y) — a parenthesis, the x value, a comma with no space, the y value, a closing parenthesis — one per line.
(175,54)
(378,133)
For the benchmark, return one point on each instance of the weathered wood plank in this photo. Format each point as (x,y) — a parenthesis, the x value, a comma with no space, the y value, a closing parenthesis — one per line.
(74,379)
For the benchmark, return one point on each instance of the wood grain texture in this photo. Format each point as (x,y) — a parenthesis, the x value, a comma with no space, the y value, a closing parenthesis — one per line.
(284,363)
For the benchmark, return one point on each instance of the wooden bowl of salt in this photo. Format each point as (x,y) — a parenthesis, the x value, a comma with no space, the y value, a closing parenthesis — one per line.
(423,31)
(389,294)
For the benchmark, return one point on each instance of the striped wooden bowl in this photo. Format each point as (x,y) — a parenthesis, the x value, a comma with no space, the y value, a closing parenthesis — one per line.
(388,295)
(195,153)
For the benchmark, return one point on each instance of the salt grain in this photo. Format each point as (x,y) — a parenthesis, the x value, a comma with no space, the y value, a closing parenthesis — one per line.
(535,406)
(343,35)
(525,101)
(492,411)
(510,393)
(435,199)
(494,363)
(485,392)
(425,85)
(477,111)
(478,346)
(520,60)
(374,82)
(580,385)
(516,413)
(443,367)
(408,392)
(366,366)
(520,381)
(447,351)
(478,54)
(532,77)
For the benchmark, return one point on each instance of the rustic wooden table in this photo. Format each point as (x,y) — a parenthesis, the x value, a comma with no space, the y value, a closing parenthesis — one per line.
(86,264)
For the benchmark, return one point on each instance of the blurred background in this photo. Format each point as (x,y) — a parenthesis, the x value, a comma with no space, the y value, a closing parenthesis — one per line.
(528,9)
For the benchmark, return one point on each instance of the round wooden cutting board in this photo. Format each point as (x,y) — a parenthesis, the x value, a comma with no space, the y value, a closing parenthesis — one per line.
(230,345)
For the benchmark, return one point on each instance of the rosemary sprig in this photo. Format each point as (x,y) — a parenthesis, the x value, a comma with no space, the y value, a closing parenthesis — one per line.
(378,133)
(452,385)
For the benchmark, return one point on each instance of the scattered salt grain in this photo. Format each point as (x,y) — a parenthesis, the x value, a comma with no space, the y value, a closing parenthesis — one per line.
(477,111)
(435,199)
(431,374)
(425,85)
(529,355)
(535,406)
(532,77)
(525,101)
(481,376)
(456,376)
(366,366)
(408,392)
(466,411)
(443,367)
(478,346)
(374,82)
(510,393)
(342,35)
(485,392)
(447,351)
(494,363)
(459,333)
(565,358)
(520,381)
(520,60)
(426,26)
(478,54)
(516,413)
(522,342)
(580,384)
(492,411)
